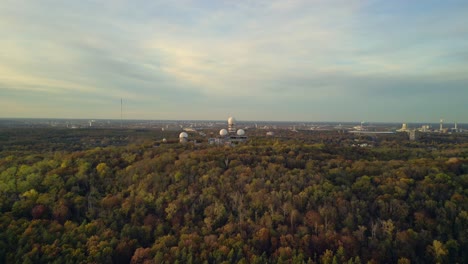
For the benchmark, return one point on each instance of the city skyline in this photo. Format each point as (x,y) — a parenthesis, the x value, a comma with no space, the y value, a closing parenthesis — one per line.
(398,61)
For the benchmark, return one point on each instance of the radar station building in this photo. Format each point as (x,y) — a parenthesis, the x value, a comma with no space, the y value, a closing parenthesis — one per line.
(183,137)
(229,136)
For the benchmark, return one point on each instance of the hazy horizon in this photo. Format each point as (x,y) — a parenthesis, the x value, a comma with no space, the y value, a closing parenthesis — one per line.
(304,61)
(352,122)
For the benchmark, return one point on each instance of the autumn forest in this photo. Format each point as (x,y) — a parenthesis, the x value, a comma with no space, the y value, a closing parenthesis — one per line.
(123,196)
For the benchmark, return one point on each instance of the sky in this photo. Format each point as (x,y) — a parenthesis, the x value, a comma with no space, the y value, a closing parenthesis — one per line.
(298,60)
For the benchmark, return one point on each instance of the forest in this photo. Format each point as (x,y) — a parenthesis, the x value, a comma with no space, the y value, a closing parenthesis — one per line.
(123,196)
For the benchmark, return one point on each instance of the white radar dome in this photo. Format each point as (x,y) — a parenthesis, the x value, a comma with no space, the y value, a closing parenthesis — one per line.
(240,132)
(183,135)
(231,120)
(223,132)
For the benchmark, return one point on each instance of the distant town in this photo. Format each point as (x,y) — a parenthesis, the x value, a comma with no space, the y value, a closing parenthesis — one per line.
(200,125)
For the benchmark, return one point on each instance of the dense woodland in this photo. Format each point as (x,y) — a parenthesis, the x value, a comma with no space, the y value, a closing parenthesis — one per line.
(111,196)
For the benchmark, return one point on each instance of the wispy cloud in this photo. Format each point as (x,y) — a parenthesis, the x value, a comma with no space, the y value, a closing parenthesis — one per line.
(277,59)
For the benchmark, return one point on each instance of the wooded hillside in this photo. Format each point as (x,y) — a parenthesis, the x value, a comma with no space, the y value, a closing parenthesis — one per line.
(316,199)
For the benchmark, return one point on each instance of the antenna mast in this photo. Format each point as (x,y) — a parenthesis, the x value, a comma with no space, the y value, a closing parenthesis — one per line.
(121,115)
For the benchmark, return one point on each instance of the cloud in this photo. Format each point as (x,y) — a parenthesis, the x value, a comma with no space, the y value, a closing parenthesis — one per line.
(231,62)
(273,58)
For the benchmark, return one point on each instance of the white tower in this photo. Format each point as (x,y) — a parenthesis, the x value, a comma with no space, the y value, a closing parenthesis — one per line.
(231,125)
(441,125)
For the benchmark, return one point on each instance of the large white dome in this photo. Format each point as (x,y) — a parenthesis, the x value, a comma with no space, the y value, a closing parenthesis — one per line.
(231,120)
(240,132)
(183,135)
(223,132)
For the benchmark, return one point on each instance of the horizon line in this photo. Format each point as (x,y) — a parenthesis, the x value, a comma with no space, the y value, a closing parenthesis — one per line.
(207,120)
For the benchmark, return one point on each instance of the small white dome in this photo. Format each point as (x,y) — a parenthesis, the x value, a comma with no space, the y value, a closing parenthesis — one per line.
(223,132)
(164,140)
(183,135)
(231,120)
(240,132)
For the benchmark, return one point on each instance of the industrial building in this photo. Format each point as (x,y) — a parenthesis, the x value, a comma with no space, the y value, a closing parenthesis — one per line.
(229,136)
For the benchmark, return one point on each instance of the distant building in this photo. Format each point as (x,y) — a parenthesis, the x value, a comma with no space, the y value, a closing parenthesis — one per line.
(238,137)
(413,135)
(230,135)
(231,125)
(183,137)
(360,127)
(455,129)
(404,128)
(425,128)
